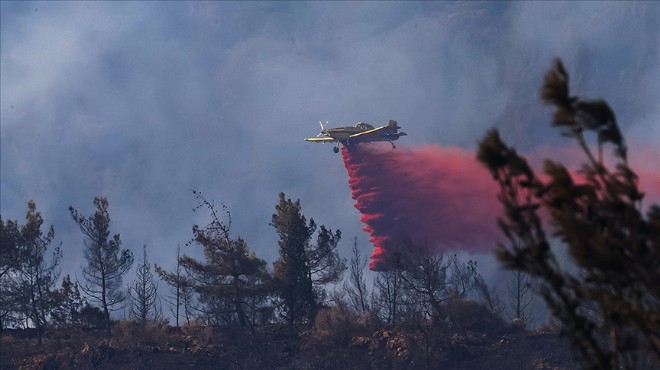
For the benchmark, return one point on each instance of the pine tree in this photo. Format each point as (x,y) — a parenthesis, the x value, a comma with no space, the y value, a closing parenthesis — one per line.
(488,295)
(302,265)
(9,236)
(388,295)
(181,295)
(427,274)
(106,261)
(520,298)
(67,304)
(232,282)
(355,284)
(145,304)
(34,276)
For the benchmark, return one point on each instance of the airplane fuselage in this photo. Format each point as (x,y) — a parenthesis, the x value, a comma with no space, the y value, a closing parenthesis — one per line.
(343,133)
(360,133)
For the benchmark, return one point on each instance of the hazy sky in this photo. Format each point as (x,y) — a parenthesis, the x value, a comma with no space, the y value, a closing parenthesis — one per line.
(142,101)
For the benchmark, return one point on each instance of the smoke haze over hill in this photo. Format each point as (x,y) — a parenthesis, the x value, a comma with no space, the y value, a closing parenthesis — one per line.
(142,101)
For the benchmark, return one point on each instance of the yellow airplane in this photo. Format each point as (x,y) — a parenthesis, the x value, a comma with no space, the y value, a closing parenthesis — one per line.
(360,133)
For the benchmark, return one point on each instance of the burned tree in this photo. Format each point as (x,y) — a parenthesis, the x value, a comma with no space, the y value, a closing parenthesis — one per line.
(232,282)
(355,285)
(145,303)
(33,274)
(520,293)
(106,261)
(181,296)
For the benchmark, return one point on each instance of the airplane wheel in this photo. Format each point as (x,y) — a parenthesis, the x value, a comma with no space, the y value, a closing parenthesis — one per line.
(335,149)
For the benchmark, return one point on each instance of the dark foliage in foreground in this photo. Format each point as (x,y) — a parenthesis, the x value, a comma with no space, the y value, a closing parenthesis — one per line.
(608,303)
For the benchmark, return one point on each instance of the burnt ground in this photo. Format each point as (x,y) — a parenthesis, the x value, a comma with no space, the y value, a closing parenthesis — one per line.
(277,347)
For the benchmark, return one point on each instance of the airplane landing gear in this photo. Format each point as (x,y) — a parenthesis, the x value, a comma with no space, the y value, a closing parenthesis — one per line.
(393,146)
(335,149)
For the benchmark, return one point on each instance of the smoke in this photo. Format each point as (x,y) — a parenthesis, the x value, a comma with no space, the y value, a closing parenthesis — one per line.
(434,196)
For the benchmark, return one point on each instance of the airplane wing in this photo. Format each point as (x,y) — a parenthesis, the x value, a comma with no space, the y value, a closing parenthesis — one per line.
(375,132)
(321,139)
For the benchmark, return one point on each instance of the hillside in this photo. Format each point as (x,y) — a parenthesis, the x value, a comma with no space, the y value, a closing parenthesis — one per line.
(271,347)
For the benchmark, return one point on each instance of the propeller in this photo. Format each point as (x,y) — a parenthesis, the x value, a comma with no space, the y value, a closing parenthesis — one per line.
(322,133)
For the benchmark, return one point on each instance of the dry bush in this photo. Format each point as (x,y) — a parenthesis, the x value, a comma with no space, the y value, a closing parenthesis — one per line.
(518,323)
(326,346)
(7,340)
(472,316)
(203,334)
(338,325)
(131,335)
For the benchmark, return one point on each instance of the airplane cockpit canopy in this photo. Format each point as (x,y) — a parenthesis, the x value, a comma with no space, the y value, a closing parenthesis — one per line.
(364,126)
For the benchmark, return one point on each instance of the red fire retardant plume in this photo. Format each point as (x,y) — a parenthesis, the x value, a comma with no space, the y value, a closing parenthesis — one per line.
(438,197)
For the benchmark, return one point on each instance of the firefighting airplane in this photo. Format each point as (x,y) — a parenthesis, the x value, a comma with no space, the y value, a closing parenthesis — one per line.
(360,133)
